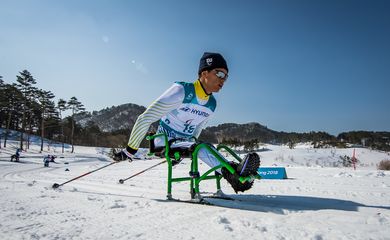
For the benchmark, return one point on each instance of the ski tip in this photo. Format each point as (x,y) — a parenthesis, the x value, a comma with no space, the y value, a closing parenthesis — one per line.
(55,185)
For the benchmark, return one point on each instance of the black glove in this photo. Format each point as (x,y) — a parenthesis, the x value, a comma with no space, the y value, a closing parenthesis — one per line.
(123,155)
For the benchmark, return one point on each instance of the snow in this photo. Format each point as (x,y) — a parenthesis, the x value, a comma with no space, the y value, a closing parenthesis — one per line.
(318,201)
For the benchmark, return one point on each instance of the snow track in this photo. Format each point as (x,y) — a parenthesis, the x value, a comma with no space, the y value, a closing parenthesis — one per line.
(315,203)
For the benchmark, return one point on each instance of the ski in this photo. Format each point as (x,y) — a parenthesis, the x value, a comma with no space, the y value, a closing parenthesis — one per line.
(202,201)
(192,201)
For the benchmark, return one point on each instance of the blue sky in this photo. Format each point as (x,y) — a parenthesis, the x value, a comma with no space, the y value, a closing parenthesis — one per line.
(294,65)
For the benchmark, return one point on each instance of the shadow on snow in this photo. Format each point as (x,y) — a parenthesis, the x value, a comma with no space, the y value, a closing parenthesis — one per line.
(282,204)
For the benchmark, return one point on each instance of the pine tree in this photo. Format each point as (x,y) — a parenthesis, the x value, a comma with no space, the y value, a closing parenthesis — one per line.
(25,85)
(47,108)
(10,107)
(76,107)
(62,106)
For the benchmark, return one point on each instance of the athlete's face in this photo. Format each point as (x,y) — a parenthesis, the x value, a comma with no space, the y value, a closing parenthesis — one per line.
(213,80)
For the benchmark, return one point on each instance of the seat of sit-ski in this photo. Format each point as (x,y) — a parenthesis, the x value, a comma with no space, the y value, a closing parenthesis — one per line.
(175,152)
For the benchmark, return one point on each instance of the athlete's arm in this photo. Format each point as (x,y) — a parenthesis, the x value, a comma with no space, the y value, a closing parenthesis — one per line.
(169,100)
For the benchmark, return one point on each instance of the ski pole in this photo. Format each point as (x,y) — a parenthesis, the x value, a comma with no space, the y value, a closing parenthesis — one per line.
(56,185)
(121,181)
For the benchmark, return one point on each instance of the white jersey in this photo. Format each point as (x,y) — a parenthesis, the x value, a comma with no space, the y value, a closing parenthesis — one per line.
(183,111)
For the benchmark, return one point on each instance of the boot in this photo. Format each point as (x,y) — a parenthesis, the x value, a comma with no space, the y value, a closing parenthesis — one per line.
(249,165)
(233,180)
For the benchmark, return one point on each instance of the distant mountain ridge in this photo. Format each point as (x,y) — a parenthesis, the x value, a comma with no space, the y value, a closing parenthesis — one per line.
(123,117)
(112,119)
(242,132)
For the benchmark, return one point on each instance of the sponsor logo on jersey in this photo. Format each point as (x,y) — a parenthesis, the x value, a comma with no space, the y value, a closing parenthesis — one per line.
(200,113)
(195,111)
(185,109)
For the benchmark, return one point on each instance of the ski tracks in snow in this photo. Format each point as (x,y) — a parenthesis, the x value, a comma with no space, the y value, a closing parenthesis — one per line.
(313,204)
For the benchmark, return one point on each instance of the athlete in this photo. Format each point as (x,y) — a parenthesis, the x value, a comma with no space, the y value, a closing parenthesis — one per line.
(183,111)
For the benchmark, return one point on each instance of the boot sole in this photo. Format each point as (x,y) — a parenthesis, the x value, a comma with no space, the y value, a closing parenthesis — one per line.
(251,165)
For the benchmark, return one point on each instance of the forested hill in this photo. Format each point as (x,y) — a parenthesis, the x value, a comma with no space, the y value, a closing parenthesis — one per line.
(233,132)
(111,119)
(122,118)
(32,111)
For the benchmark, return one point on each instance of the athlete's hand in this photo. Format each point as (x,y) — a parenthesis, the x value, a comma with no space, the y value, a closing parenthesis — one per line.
(123,155)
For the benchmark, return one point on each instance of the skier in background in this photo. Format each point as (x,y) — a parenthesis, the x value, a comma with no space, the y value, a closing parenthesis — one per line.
(183,111)
(46,161)
(15,157)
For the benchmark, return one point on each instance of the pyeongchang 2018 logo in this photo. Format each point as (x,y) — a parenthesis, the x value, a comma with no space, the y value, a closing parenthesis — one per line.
(195,111)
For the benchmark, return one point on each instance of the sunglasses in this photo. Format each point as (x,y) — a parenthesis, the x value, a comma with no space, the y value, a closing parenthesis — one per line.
(221,74)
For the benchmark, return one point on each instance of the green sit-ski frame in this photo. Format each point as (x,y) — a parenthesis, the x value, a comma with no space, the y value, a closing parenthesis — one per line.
(195,178)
